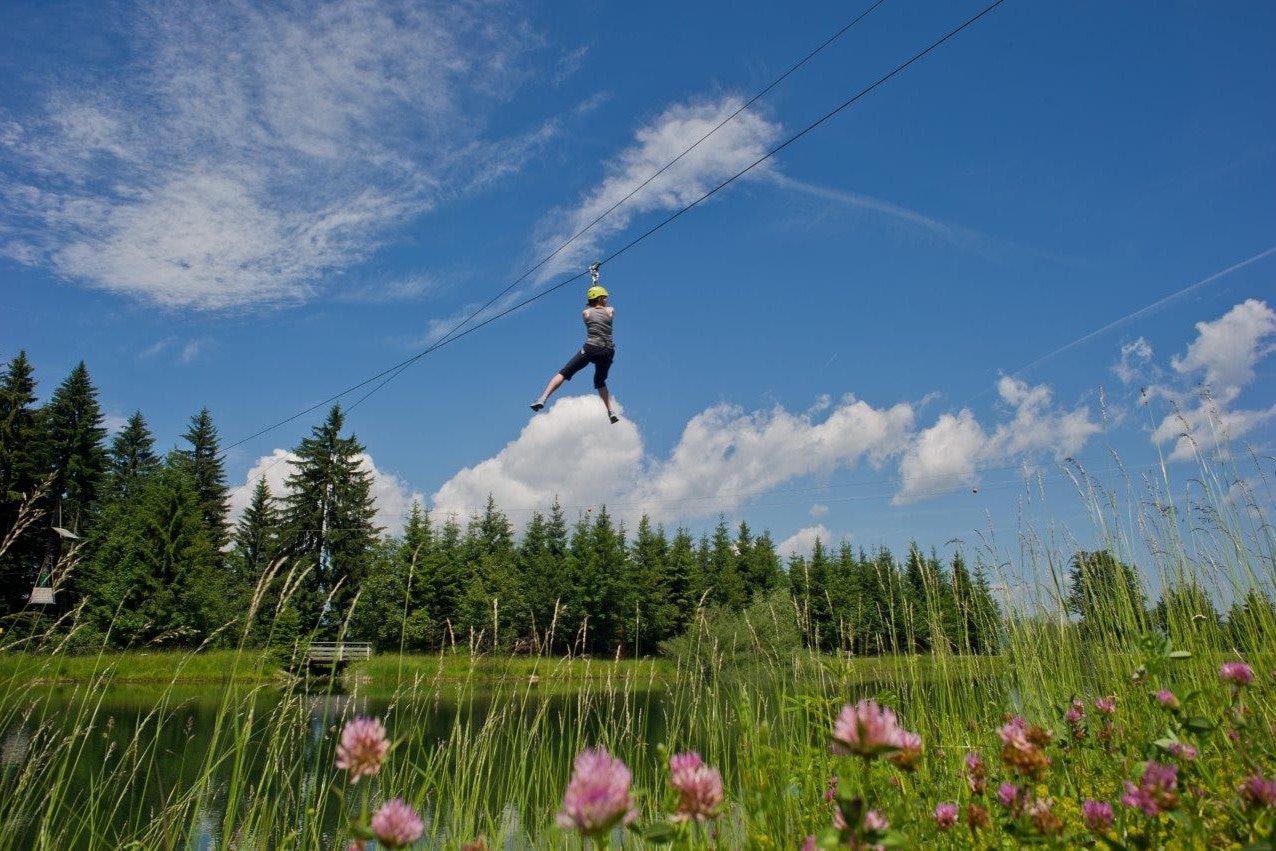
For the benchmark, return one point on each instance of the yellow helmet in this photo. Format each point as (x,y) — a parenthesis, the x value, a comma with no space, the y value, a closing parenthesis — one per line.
(594,292)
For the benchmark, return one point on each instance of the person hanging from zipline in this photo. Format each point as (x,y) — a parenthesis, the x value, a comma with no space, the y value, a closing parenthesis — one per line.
(599,348)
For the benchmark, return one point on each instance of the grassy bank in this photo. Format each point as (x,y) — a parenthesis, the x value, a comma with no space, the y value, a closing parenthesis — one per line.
(1109,732)
(213,667)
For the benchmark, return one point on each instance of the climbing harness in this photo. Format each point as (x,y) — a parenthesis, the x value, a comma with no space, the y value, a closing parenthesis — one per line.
(595,290)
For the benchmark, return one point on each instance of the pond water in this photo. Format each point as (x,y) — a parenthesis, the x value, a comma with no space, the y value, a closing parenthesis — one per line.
(102,766)
(136,751)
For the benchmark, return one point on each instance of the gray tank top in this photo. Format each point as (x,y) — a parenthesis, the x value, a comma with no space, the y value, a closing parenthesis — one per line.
(598,327)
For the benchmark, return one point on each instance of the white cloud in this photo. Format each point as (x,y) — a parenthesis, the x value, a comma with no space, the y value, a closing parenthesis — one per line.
(1222,359)
(736,145)
(1135,357)
(156,348)
(191,350)
(726,454)
(802,542)
(569,451)
(948,454)
(254,150)
(943,457)
(113,423)
(724,457)
(1225,351)
(393,496)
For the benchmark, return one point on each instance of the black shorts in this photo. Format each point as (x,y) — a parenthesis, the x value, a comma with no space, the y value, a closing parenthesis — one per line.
(600,356)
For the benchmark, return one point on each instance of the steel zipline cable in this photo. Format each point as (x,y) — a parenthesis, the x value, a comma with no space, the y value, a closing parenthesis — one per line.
(390,373)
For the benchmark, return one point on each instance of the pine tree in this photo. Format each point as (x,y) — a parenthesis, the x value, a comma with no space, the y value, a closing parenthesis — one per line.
(257,534)
(726,587)
(420,631)
(209,474)
(872,606)
(541,569)
(444,573)
(132,458)
(328,515)
(597,564)
(1104,592)
(759,566)
(20,479)
(655,598)
(74,455)
(680,569)
(917,610)
(1186,613)
(153,577)
(490,585)
(382,612)
(1251,623)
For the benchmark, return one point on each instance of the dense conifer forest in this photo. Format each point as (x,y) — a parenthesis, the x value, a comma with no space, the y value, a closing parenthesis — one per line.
(156,561)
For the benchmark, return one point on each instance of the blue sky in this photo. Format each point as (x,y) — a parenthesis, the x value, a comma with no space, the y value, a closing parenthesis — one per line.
(876,335)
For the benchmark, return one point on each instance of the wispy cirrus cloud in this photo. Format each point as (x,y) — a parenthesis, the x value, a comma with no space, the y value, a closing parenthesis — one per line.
(253,150)
(738,143)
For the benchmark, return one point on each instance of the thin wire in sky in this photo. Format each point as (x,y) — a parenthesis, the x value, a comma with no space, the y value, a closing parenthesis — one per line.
(393,372)
(399,368)
(1131,317)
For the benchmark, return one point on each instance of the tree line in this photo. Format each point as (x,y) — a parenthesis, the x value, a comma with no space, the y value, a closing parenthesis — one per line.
(148,555)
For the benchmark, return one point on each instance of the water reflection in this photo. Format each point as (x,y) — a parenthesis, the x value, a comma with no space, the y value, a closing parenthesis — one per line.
(136,752)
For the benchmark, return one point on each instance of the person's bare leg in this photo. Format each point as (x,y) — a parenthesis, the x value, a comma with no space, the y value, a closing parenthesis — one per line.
(554,384)
(606,397)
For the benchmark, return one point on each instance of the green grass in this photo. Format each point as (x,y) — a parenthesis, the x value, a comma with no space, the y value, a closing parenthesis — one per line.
(134,667)
(484,744)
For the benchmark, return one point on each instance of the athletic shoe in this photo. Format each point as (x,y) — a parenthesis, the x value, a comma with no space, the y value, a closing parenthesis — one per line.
(537,405)
(614,419)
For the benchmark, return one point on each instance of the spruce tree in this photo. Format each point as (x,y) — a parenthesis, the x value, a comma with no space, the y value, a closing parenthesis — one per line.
(490,586)
(20,479)
(655,596)
(597,563)
(381,614)
(725,584)
(204,462)
(541,564)
(872,606)
(1104,592)
(1186,613)
(413,563)
(916,600)
(256,535)
(759,565)
(132,458)
(680,570)
(328,515)
(1251,623)
(153,576)
(445,584)
(73,455)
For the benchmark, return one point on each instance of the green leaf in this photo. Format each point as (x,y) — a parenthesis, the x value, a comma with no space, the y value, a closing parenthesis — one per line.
(659,833)
(1181,654)
(893,839)
(1199,725)
(828,838)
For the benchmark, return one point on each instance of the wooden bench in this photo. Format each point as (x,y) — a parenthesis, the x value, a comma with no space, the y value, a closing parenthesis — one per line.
(336,653)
